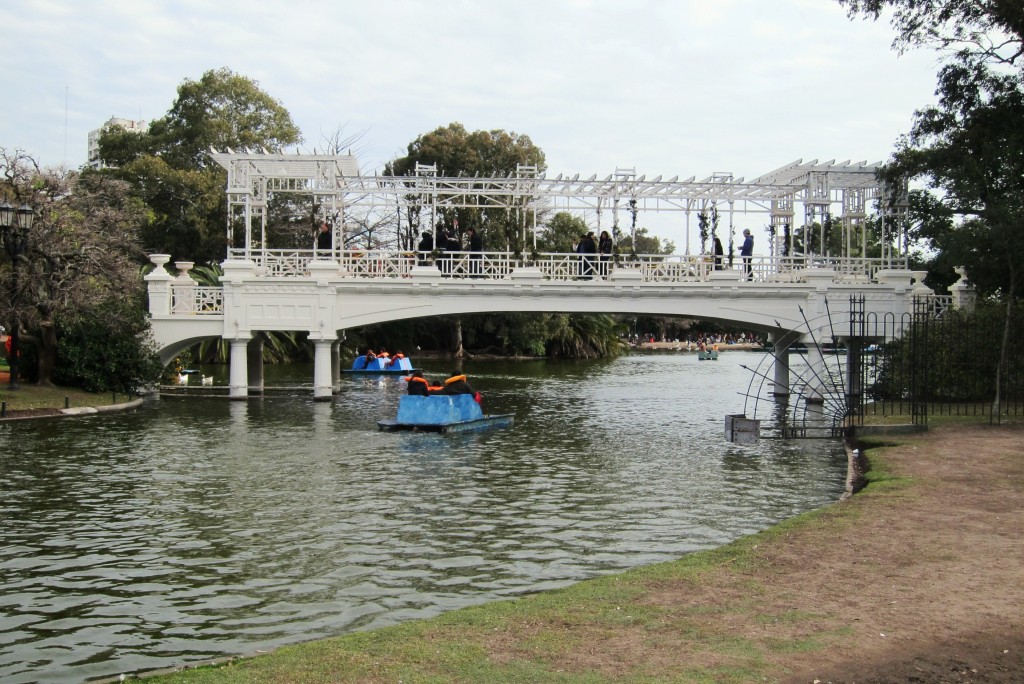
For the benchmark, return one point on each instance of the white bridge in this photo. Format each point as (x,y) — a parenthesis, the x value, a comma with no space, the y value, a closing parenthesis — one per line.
(324,293)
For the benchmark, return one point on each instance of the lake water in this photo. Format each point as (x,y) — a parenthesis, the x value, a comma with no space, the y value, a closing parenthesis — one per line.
(194,527)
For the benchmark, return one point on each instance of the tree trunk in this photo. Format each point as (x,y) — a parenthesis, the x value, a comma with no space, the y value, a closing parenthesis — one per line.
(46,351)
(1004,347)
(457,351)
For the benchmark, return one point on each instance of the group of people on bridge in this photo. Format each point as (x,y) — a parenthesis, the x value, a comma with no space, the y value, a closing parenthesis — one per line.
(446,244)
(746,253)
(602,247)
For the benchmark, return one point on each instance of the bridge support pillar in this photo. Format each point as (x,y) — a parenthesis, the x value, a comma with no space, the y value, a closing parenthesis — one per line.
(780,351)
(336,367)
(322,375)
(238,378)
(254,354)
(814,390)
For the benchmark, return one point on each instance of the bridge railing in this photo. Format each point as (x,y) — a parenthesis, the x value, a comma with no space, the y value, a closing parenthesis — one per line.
(561,266)
(197,300)
(189,299)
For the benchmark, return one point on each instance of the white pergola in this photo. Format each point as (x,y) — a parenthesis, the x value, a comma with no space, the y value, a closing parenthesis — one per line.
(845,191)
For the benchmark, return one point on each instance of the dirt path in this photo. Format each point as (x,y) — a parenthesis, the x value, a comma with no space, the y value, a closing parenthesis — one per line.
(929,587)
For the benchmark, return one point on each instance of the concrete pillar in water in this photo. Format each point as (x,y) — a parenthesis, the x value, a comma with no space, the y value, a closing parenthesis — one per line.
(238,375)
(322,384)
(780,350)
(254,352)
(336,366)
(814,389)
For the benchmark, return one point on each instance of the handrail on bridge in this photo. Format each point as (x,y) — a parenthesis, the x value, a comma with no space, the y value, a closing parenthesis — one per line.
(187,298)
(555,266)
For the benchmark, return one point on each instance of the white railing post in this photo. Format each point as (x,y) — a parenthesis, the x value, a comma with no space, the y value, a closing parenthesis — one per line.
(183,289)
(158,284)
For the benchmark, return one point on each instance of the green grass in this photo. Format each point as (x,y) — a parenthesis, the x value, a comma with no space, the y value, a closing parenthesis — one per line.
(41,397)
(546,637)
(540,633)
(938,414)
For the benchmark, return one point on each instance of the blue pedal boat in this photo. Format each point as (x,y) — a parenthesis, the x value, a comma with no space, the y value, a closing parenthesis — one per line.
(443,413)
(378,366)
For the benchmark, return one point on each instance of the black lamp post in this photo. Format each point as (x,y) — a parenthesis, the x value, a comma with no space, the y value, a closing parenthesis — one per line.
(15,224)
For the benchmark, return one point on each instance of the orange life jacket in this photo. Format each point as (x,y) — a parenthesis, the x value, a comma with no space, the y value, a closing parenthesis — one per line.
(455,378)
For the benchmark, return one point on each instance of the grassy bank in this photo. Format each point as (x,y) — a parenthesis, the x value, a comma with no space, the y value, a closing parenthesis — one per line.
(38,398)
(573,634)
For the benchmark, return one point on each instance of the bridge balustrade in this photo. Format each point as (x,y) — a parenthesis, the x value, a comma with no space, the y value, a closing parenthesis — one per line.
(194,300)
(377,263)
(671,268)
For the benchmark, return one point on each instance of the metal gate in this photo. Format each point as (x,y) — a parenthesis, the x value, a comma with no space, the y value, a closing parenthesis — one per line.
(942,361)
(935,361)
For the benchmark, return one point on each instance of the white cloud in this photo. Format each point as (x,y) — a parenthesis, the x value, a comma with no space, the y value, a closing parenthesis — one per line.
(670,88)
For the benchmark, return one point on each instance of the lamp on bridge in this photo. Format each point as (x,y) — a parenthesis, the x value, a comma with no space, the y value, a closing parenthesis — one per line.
(15,225)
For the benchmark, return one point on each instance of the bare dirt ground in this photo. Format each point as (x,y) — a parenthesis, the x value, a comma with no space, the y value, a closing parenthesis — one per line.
(929,585)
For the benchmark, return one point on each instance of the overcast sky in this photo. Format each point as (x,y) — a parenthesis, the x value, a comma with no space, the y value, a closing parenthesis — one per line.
(673,87)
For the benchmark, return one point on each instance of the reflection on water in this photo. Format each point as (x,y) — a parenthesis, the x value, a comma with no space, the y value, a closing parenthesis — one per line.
(195,527)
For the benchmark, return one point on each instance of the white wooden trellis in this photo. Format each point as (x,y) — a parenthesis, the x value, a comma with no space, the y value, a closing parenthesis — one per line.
(338,183)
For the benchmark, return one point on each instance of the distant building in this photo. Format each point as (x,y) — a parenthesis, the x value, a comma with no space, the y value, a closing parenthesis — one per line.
(94,136)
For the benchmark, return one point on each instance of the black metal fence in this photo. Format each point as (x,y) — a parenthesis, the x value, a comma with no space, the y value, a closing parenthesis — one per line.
(936,362)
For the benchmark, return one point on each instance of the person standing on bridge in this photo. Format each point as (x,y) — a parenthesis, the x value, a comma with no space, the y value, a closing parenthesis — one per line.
(324,239)
(604,248)
(476,246)
(425,246)
(747,252)
(588,247)
(718,254)
(446,245)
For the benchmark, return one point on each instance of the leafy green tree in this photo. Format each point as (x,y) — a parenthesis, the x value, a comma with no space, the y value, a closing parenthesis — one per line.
(963,351)
(170,165)
(561,232)
(584,336)
(969,147)
(81,265)
(646,244)
(106,348)
(458,152)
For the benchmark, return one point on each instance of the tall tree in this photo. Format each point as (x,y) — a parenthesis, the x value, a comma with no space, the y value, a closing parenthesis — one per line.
(458,152)
(82,256)
(969,147)
(170,165)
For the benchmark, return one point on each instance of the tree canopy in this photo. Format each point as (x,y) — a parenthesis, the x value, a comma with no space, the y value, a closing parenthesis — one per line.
(170,167)
(969,147)
(82,256)
(458,152)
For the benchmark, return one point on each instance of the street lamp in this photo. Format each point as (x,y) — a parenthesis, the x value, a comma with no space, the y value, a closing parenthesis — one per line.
(15,224)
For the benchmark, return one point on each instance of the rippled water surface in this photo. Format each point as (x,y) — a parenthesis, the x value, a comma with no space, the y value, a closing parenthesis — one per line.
(193,528)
